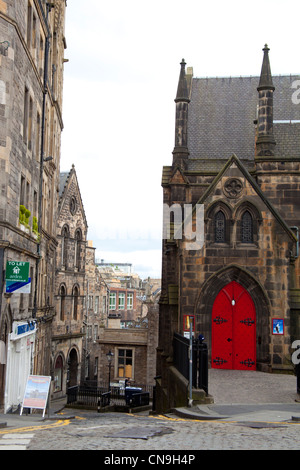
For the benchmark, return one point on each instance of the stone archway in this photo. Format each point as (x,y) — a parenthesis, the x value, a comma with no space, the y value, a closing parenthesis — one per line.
(73,368)
(206,299)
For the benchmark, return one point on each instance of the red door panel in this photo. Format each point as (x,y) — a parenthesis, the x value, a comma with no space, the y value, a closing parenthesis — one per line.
(234,329)
(222,332)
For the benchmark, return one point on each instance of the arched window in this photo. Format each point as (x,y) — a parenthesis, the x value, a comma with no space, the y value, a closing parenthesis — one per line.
(75,302)
(220,227)
(58,374)
(78,239)
(64,246)
(247,228)
(62,293)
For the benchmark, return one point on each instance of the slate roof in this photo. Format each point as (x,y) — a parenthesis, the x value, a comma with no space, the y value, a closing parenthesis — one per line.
(222,111)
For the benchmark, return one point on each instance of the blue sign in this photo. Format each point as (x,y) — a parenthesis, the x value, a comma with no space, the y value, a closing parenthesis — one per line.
(277,326)
(25,328)
(18,286)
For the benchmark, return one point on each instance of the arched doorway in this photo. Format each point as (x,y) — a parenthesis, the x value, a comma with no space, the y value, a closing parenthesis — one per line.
(233,329)
(72,368)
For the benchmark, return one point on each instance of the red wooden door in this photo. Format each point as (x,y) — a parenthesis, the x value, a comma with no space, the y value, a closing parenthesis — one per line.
(233,329)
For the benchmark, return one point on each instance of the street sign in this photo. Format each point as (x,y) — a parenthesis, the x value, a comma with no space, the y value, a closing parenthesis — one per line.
(17,271)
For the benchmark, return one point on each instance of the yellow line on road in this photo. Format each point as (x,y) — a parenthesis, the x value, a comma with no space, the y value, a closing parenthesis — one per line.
(57,424)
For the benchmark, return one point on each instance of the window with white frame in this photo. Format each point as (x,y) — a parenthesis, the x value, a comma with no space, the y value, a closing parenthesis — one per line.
(129,301)
(112,300)
(121,301)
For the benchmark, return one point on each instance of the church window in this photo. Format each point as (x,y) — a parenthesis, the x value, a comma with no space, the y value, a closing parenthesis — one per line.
(62,302)
(75,302)
(78,239)
(220,227)
(64,246)
(73,205)
(247,228)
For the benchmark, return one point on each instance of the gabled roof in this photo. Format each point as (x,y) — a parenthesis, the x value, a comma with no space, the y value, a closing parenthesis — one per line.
(65,179)
(255,186)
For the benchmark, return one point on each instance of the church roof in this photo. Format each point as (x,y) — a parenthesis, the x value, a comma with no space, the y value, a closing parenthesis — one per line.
(222,113)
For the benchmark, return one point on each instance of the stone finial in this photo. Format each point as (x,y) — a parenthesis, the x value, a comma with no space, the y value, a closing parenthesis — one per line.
(266,82)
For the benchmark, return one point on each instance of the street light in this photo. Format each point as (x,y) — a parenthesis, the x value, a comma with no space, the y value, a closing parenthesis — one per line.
(109,357)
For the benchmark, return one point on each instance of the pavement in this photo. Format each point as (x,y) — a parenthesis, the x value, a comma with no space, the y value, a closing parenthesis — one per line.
(241,396)
(35,418)
(248,396)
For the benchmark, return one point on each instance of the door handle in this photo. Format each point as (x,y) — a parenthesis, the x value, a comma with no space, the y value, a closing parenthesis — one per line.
(229,339)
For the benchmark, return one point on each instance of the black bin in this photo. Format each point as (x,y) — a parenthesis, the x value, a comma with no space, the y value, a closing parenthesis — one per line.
(129,391)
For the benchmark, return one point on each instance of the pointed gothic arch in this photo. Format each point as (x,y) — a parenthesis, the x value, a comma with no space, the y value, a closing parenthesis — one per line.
(210,290)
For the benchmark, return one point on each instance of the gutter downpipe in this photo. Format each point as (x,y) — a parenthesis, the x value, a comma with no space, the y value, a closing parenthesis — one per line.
(47,46)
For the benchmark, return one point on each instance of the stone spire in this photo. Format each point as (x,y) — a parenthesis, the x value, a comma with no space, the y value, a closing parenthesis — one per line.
(265,142)
(180,152)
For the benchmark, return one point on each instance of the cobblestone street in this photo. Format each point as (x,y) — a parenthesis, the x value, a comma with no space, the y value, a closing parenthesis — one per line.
(261,413)
(116,431)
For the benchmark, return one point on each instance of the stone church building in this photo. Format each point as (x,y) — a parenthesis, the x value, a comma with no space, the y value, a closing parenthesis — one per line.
(236,156)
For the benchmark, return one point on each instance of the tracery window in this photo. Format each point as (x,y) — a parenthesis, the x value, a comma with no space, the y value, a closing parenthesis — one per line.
(247,228)
(220,227)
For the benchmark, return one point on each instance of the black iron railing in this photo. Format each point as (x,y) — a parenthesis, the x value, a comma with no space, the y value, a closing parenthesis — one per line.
(181,357)
(91,395)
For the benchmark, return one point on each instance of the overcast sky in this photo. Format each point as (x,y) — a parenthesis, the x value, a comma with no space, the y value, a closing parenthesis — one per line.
(119,89)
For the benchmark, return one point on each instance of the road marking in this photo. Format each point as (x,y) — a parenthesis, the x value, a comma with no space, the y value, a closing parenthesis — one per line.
(57,424)
(13,441)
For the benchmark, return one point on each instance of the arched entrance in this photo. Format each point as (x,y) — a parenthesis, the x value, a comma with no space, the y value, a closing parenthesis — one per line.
(233,332)
(72,368)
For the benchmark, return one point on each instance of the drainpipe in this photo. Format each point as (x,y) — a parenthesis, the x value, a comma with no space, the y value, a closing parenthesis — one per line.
(46,60)
(5,244)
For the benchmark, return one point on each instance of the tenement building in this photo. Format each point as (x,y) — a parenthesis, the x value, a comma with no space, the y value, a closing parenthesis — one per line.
(231,265)
(32,44)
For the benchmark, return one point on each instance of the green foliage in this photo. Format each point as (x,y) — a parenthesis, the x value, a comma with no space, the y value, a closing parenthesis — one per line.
(22,211)
(24,215)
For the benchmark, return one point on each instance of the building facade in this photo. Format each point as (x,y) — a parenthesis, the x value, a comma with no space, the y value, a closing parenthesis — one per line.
(70,286)
(32,44)
(236,163)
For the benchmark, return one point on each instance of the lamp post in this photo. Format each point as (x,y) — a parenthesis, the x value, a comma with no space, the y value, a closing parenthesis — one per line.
(109,357)
(191,363)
